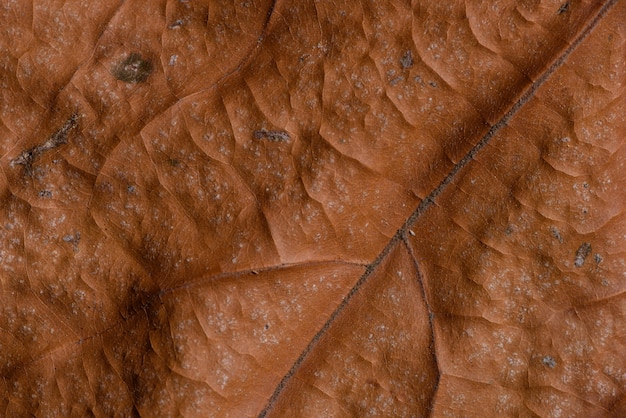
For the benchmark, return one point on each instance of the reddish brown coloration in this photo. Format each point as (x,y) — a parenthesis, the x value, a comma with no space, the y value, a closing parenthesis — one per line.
(359,208)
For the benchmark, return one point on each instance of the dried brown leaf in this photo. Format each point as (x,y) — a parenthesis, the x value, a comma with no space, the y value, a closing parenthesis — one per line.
(361,208)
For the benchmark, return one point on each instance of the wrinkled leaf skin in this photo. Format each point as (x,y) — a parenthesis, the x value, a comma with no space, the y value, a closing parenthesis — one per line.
(313,208)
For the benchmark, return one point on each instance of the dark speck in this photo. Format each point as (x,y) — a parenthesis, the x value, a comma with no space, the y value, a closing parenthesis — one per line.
(556,234)
(549,361)
(564,8)
(133,69)
(396,81)
(74,239)
(176,24)
(407,59)
(45,193)
(597,258)
(581,254)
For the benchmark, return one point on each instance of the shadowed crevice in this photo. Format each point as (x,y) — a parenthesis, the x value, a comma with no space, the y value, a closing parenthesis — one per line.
(431,319)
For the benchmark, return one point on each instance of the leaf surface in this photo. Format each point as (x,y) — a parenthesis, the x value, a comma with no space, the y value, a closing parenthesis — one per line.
(313,209)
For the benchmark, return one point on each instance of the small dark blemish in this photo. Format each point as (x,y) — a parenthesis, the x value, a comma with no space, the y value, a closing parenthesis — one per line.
(27,158)
(74,239)
(564,8)
(176,24)
(45,193)
(549,361)
(432,84)
(141,300)
(134,69)
(276,136)
(396,80)
(131,189)
(407,59)
(556,234)
(597,258)
(267,326)
(581,254)
(372,382)
(174,162)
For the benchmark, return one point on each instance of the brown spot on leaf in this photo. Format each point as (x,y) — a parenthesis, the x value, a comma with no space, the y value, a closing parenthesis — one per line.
(133,69)
(58,138)
(394,260)
(549,361)
(407,59)
(276,136)
(581,254)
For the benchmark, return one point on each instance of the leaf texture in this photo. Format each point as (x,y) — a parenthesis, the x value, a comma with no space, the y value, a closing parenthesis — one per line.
(312,208)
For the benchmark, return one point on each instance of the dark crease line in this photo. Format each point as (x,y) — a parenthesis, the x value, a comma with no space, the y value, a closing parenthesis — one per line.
(262,270)
(248,57)
(430,199)
(268,17)
(368,272)
(431,320)
(525,97)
